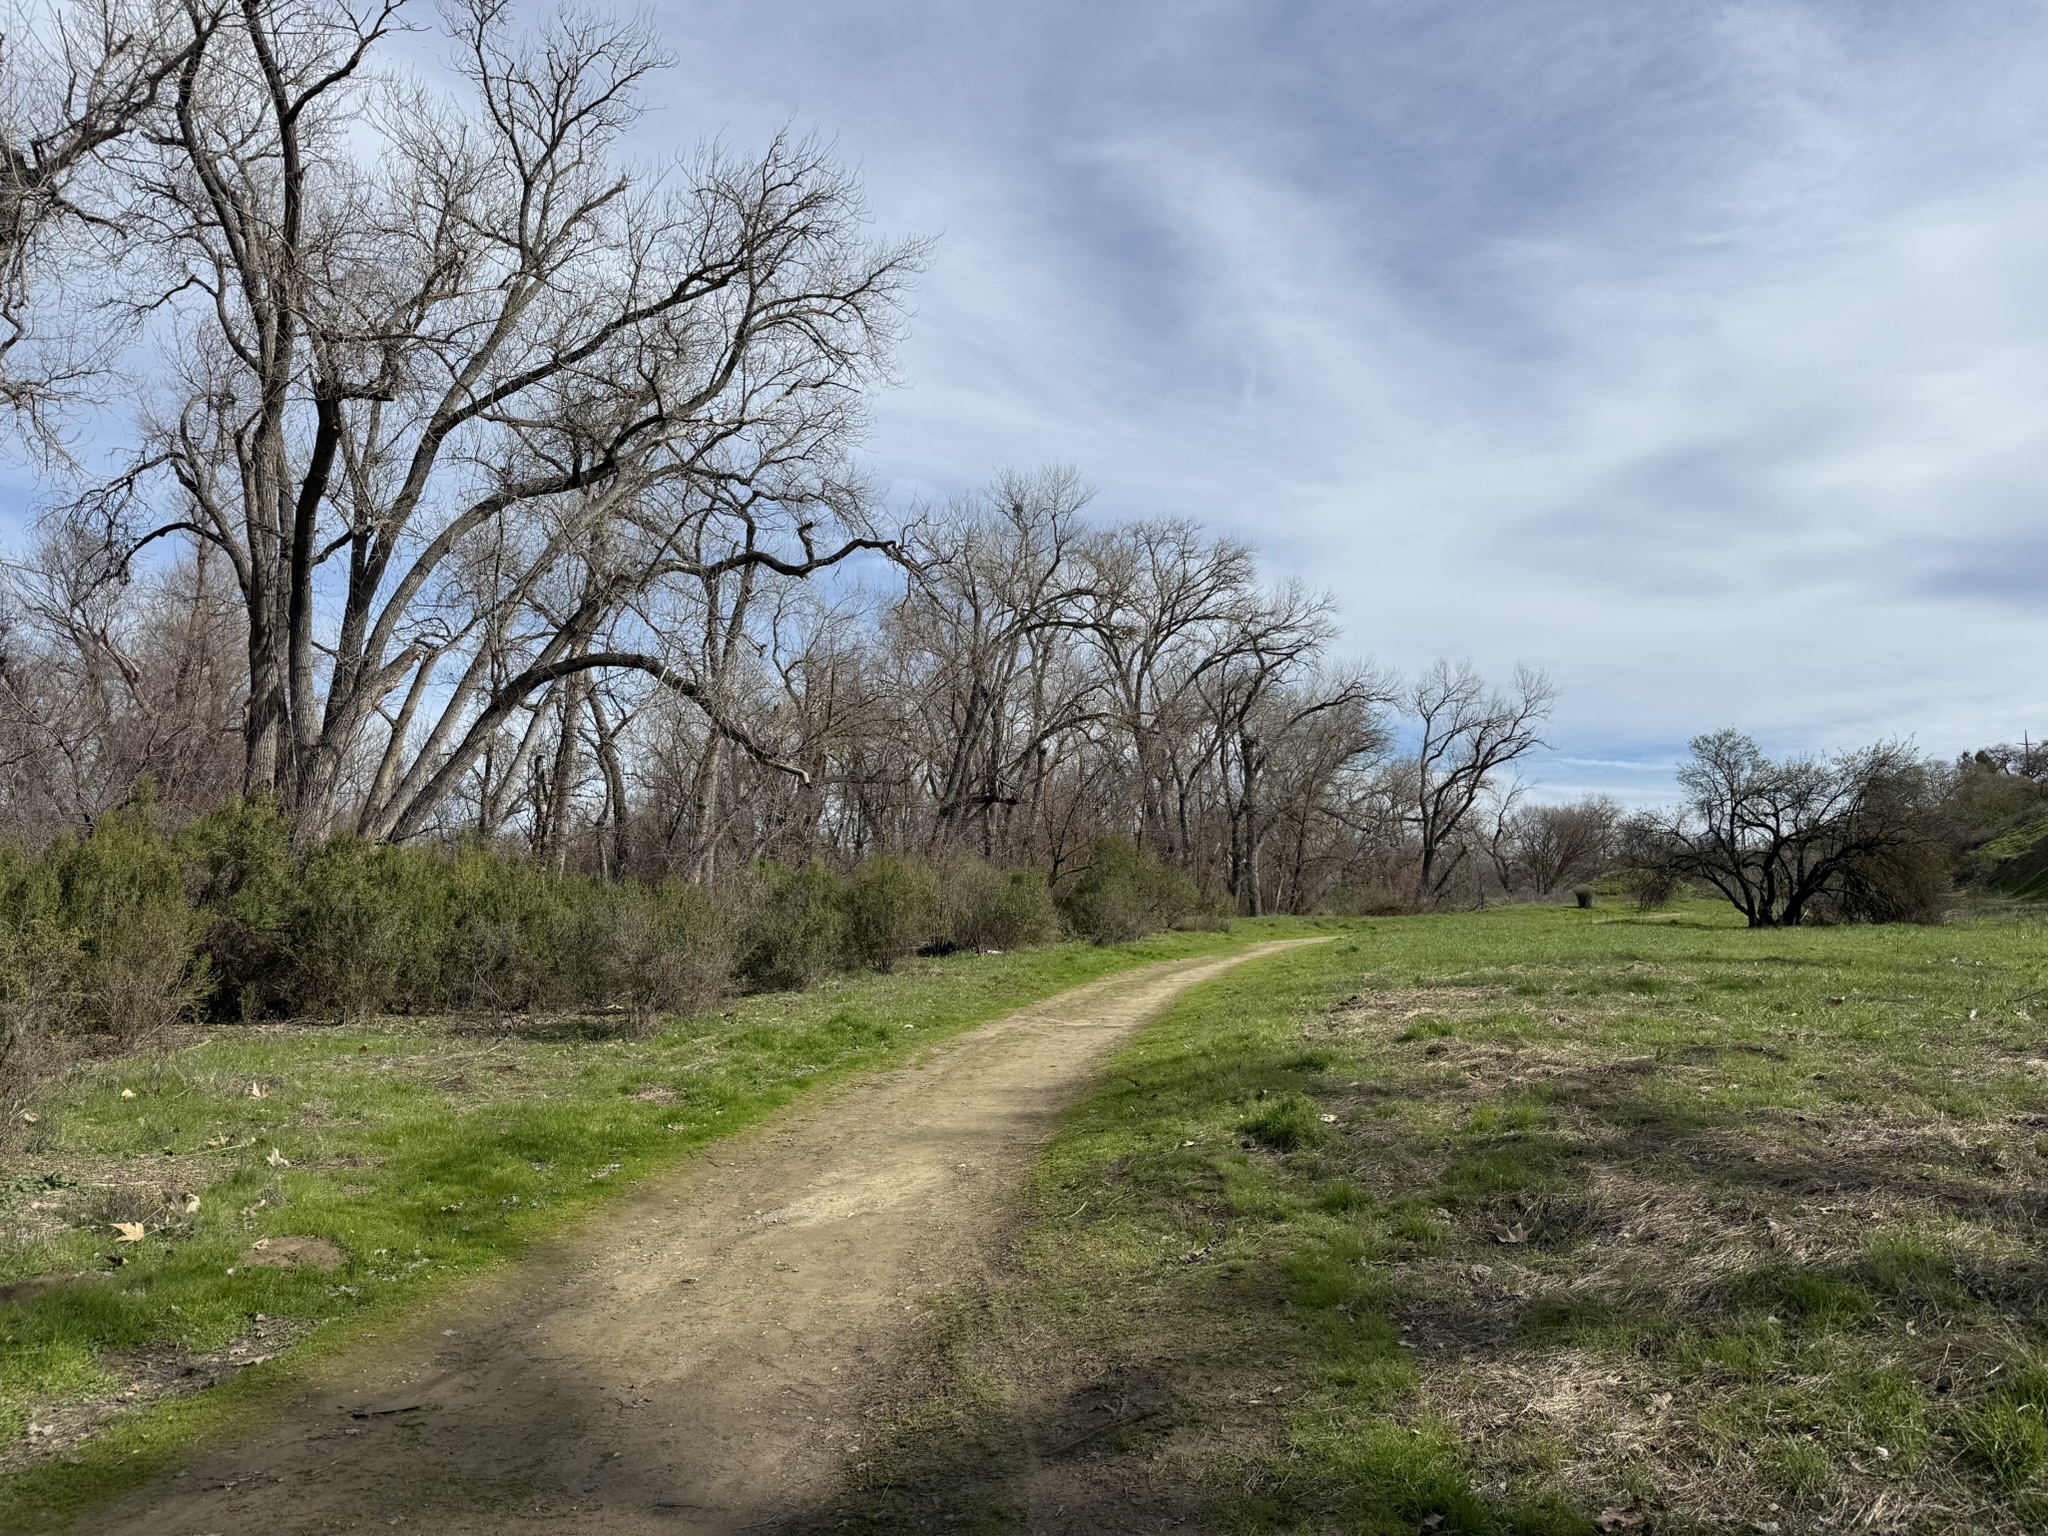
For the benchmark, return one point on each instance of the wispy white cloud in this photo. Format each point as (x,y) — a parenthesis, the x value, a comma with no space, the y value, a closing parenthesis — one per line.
(1697,352)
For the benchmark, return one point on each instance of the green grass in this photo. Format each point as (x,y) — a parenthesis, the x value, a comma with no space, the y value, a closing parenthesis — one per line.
(1497,1223)
(428,1150)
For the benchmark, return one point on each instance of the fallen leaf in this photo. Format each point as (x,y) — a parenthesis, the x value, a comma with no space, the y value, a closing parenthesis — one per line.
(190,1202)
(131,1231)
(1515,1234)
(28,1117)
(277,1159)
(1617,1519)
(1329,1119)
(258,1091)
(127,1093)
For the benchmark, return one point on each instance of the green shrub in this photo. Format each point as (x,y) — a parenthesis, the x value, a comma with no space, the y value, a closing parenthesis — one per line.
(239,873)
(987,908)
(121,891)
(1126,893)
(135,928)
(350,935)
(795,926)
(511,937)
(892,910)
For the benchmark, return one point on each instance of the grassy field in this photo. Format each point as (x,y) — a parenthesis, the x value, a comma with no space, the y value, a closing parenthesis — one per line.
(405,1152)
(1531,1221)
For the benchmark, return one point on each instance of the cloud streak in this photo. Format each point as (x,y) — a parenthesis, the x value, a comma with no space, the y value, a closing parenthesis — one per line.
(1695,352)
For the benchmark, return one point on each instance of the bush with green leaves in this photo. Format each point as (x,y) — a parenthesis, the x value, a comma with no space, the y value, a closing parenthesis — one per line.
(892,910)
(130,928)
(1125,893)
(795,926)
(121,891)
(239,874)
(359,923)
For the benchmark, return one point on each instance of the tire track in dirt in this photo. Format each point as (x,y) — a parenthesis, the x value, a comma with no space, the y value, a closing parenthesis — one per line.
(696,1360)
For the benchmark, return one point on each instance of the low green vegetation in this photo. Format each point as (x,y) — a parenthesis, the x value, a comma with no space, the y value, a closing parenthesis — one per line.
(420,1149)
(1539,1220)
(2017,863)
(135,926)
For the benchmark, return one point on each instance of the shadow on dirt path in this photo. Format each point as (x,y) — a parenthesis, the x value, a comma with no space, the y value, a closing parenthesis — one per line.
(696,1361)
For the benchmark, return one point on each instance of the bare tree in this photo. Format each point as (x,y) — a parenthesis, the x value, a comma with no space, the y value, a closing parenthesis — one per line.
(984,635)
(453,390)
(1781,839)
(1467,734)
(1162,594)
(102,688)
(1544,847)
(75,81)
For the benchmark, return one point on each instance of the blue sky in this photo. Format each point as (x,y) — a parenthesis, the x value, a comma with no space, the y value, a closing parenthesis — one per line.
(1692,351)
(1696,352)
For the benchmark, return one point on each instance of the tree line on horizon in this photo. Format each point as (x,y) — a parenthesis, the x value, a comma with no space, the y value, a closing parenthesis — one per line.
(475,481)
(472,477)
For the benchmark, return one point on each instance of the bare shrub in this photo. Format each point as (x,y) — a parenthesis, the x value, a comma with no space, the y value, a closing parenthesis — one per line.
(991,908)
(38,964)
(667,949)
(137,975)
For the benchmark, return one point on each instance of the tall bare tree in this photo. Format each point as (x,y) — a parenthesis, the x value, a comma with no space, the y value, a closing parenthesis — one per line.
(453,389)
(1467,735)
(76,80)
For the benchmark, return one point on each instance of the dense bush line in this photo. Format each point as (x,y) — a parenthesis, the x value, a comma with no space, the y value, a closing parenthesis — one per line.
(135,926)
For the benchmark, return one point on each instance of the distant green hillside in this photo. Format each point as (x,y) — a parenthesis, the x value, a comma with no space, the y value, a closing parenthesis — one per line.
(2017,863)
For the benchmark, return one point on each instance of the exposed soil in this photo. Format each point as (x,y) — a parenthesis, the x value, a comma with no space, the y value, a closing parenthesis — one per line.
(698,1360)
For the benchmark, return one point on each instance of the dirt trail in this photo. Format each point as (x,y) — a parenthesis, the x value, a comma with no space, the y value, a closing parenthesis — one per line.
(696,1360)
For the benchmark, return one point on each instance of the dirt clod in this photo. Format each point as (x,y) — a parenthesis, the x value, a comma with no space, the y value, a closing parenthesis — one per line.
(292,1252)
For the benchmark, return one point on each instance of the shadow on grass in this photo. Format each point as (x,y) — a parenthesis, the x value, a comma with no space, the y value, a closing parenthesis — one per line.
(1692,1314)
